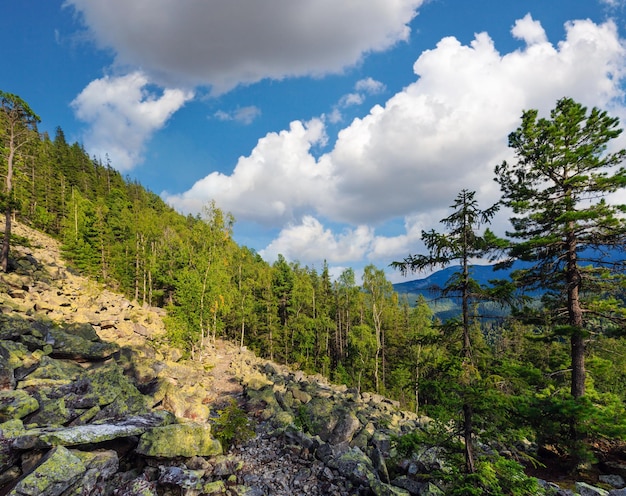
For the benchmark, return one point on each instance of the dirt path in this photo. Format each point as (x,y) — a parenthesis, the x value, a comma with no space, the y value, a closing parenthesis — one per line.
(225,385)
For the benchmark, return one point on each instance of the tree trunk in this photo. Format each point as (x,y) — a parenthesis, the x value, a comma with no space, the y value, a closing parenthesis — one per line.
(467,435)
(6,241)
(575,319)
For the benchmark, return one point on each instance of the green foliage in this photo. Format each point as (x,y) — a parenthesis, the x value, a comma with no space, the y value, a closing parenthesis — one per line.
(496,476)
(232,426)
(302,419)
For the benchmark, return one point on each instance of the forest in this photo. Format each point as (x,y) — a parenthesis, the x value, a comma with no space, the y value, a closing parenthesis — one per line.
(549,371)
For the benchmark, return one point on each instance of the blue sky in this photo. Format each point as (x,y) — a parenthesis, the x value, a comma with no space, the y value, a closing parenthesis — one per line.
(331,129)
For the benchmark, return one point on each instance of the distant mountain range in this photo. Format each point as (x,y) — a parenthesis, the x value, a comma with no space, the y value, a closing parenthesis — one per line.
(430,287)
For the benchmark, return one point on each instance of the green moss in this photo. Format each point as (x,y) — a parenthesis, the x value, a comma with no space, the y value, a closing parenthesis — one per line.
(12,428)
(16,404)
(186,440)
(58,471)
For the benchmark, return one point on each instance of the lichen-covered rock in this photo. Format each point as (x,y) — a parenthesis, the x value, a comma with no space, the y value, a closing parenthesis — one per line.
(50,368)
(179,440)
(345,429)
(323,415)
(114,393)
(183,478)
(74,346)
(584,489)
(100,467)
(16,404)
(56,472)
(7,376)
(90,434)
(356,465)
(188,401)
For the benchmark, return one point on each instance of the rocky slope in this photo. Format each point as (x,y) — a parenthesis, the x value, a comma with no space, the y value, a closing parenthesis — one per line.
(93,401)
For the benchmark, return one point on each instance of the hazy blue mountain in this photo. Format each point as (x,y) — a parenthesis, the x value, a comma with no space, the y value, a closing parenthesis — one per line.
(429,286)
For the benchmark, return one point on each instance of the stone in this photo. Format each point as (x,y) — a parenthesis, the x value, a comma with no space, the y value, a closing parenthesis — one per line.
(179,440)
(617,481)
(345,429)
(355,465)
(66,345)
(56,472)
(584,489)
(16,404)
(95,433)
(180,477)
(100,467)
(139,486)
(7,376)
(50,368)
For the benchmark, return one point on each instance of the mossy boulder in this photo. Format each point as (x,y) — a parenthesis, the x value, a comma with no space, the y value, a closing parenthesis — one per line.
(114,393)
(179,440)
(76,347)
(58,470)
(50,368)
(16,404)
(100,467)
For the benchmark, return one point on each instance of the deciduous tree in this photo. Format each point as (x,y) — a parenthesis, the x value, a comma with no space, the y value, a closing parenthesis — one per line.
(18,126)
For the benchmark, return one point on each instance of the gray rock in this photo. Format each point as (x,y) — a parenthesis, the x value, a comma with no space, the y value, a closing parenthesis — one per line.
(100,465)
(585,489)
(617,481)
(92,433)
(345,429)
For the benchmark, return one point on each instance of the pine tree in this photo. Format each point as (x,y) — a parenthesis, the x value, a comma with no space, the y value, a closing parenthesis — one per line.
(562,223)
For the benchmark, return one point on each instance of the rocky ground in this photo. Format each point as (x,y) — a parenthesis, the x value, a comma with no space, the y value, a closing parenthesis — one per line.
(94,401)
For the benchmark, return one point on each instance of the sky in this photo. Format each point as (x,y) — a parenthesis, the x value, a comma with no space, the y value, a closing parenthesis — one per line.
(332,130)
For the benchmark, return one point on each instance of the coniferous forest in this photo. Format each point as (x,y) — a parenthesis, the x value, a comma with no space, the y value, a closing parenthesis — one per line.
(551,372)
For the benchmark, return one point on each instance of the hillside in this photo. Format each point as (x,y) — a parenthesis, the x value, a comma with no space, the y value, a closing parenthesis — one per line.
(64,338)
(90,384)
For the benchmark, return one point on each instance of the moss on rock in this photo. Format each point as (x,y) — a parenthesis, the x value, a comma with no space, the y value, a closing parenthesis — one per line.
(58,470)
(184,440)
(16,404)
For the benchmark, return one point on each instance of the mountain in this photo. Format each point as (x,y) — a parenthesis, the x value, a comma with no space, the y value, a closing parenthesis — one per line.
(430,287)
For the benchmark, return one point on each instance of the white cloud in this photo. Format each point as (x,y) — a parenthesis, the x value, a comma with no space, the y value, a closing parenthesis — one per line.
(278,181)
(363,87)
(122,115)
(369,86)
(227,43)
(529,30)
(243,115)
(310,242)
(411,156)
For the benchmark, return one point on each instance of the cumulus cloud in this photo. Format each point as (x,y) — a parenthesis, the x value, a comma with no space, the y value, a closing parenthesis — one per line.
(122,114)
(309,241)
(411,156)
(212,43)
(276,183)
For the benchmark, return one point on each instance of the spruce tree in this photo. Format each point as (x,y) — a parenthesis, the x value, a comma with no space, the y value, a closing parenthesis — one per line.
(460,244)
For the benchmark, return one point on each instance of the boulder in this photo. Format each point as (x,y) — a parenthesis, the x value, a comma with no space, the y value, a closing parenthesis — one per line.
(76,347)
(179,440)
(92,433)
(584,489)
(100,467)
(16,404)
(57,471)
